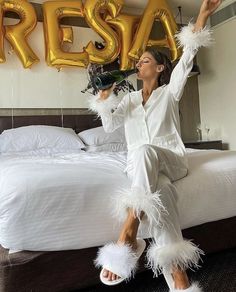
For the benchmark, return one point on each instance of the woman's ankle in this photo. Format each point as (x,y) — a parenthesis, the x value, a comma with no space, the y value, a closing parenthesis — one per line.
(127,235)
(180,279)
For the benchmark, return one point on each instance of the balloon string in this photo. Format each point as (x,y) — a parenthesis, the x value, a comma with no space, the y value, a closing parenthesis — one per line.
(12,118)
(12,97)
(127,83)
(11,51)
(62,118)
(61,97)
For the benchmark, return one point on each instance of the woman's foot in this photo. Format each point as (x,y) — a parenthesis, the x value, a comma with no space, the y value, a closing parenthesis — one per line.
(123,239)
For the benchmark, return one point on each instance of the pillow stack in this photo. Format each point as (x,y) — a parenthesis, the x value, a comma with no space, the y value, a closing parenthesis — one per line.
(40,138)
(97,140)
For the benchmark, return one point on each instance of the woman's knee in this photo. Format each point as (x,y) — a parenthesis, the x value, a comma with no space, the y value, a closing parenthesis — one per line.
(180,173)
(146,150)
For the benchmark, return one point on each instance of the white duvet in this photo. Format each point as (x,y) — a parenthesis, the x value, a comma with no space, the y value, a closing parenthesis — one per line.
(60,202)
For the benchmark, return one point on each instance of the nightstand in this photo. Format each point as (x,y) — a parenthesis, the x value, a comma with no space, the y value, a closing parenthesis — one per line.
(204,144)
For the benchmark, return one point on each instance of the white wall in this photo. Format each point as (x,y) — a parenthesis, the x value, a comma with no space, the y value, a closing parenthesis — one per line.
(217,84)
(43,86)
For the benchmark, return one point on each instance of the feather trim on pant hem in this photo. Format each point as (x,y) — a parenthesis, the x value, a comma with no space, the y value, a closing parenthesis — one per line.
(194,287)
(139,200)
(183,254)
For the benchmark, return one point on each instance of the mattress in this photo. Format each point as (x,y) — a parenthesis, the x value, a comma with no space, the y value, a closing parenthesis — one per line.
(60,202)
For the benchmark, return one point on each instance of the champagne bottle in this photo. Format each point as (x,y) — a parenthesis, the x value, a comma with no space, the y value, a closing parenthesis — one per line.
(106,79)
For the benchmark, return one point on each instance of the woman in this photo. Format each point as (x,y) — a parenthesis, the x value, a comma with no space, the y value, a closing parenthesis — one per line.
(152,131)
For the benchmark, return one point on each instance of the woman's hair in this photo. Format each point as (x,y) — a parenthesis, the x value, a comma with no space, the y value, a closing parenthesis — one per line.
(162,59)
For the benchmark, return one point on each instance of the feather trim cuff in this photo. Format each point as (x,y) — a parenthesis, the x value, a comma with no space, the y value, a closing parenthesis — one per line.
(103,106)
(183,254)
(151,204)
(194,40)
(195,287)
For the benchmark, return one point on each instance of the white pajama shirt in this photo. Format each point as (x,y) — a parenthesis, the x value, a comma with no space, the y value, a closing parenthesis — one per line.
(155,147)
(156,123)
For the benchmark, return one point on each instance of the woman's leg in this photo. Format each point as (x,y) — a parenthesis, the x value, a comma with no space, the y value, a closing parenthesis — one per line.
(142,170)
(169,252)
(127,235)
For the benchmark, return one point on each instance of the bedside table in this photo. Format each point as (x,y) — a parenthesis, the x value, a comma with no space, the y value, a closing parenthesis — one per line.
(204,144)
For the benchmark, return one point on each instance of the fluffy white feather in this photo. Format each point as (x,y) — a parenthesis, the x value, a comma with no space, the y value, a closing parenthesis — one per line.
(194,40)
(139,200)
(194,287)
(101,106)
(118,258)
(184,254)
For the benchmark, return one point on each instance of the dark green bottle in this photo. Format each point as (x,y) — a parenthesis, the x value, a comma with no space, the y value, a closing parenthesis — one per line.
(106,79)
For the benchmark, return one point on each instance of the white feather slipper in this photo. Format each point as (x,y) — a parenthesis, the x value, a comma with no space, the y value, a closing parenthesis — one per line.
(120,259)
(194,287)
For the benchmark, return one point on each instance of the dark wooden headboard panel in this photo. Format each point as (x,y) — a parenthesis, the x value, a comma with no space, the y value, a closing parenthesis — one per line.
(76,122)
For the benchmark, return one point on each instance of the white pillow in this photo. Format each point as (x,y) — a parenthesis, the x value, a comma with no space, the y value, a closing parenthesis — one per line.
(111,147)
(37,137)
(97,136)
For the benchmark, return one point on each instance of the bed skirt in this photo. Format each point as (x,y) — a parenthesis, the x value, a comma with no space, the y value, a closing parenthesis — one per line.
(31,271)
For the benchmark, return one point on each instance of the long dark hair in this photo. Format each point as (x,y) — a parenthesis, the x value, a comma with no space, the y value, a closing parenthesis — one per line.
(162,59)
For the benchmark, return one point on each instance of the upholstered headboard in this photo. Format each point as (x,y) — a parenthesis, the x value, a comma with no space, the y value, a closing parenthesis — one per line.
(76,122)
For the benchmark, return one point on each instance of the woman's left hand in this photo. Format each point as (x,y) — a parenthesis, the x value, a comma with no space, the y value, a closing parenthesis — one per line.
(209,6)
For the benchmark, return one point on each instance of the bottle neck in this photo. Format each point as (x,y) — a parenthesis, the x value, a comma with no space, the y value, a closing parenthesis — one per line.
(130,72)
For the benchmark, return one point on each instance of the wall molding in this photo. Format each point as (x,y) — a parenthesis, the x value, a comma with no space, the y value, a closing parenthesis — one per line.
(43,111)
(223,15)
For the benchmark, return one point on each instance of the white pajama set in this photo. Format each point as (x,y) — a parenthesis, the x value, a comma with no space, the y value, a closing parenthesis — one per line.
(156,157)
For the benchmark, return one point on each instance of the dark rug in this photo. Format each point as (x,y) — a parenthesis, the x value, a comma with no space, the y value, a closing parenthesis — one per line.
(216,274)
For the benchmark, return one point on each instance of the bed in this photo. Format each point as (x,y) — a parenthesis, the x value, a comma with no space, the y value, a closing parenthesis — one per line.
(52,217)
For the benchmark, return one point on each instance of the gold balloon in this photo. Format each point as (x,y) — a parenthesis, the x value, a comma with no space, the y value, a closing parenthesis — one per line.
(66,38)
(92,11)
(161,11)
(54,35)
(66,35)
(16,34)
(125,25)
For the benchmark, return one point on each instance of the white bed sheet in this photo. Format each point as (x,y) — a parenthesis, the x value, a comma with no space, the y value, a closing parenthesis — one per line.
(60,202)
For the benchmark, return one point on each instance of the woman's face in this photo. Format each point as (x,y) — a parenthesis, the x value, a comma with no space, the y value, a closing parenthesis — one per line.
(148,67)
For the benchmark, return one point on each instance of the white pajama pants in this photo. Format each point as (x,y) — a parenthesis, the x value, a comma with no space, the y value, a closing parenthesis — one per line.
(152,170)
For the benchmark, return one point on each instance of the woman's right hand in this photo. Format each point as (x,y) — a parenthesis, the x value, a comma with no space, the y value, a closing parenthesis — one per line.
(104,94)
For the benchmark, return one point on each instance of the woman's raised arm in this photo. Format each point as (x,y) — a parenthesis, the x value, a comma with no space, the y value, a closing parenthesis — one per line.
(191,38)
